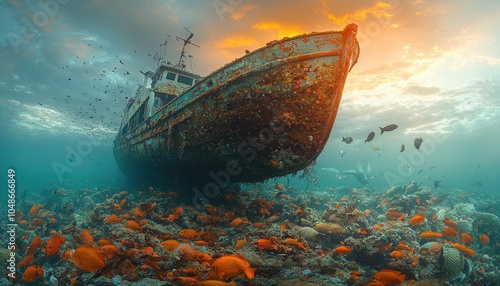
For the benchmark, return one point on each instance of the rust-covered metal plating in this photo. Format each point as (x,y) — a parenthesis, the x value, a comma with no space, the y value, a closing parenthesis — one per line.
(267,114)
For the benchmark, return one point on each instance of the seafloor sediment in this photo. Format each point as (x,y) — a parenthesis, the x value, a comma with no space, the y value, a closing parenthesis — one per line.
(261,234)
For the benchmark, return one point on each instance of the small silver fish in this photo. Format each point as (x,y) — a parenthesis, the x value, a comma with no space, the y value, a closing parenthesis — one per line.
(59,192)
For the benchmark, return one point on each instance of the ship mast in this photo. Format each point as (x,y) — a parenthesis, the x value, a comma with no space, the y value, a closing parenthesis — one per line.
(181,64)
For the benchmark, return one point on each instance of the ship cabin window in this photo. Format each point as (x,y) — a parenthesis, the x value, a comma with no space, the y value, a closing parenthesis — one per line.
(170,76)
(185,80)
(162,99)
(138,116)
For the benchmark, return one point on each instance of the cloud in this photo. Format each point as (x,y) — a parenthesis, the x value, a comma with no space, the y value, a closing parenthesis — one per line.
(380,10)
(240,11)
(489,59)
(420,90)
(235,42)
(281,30)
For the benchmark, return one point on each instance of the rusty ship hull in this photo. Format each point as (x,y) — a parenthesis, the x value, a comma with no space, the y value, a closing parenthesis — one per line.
(267,114)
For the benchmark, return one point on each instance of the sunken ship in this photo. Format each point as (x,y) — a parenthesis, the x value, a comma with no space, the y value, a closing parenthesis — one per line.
(266,114)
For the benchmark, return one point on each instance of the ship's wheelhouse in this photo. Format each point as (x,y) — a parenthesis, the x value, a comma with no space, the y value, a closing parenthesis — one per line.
(167,83)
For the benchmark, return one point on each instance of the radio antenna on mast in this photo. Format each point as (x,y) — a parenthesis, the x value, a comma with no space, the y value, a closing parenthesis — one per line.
(186,41)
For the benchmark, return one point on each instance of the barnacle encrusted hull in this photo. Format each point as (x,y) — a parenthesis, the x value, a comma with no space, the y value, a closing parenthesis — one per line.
(264,115)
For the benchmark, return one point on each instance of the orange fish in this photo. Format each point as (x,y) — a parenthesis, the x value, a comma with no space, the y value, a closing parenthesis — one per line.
(484,239)
(112,219)
(31,273)
(258,224)
(417,219)
(266,244)
(170,244)
(186,280)
(25,261)
(389,276)
(132,224)
(201,243)
(227,267)
(172,217)
(189,233)
(88,258)
(237,222)
(393,214)
(466,238)
(35,209)
(33,246)
(449,231)
(463,248)
(398,254)
(110,251)
(137,212)
(240,243)
(204,258)
(295,243)
(430,234)
(103,242)
(449,222)
(66,254)
(402,246)
(54,244)
(342,250)
(86,237)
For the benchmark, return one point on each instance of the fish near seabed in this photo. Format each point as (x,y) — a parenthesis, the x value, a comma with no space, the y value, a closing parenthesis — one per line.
(387,128)
(417,142)
(402,148)
(347,140)
(370,137)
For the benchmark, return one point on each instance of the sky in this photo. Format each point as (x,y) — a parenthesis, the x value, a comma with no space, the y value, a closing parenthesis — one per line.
(432,67)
